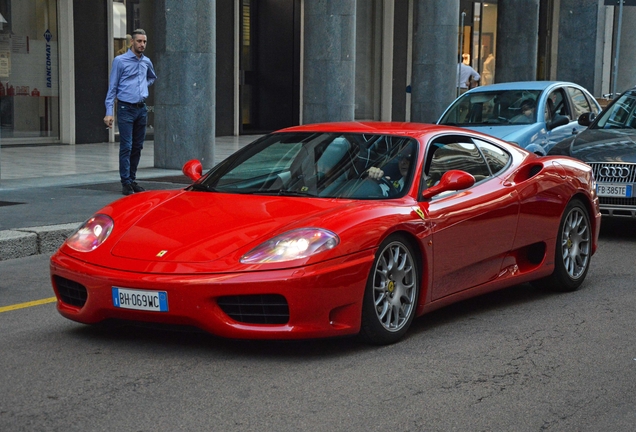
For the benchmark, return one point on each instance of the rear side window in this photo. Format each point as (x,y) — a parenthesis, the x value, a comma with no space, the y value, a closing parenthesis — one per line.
(496,157)
(455,156)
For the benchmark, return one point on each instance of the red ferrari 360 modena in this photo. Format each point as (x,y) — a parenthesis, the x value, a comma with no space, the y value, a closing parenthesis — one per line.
(334,229)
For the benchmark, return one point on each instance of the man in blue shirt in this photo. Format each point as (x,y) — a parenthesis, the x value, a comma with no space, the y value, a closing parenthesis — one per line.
(132,73)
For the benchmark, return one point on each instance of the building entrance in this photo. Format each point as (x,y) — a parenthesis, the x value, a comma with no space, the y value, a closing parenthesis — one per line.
(479,35)
(269,65)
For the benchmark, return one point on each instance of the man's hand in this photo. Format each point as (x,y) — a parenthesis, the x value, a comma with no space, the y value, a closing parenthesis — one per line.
(375,173)
(109,121)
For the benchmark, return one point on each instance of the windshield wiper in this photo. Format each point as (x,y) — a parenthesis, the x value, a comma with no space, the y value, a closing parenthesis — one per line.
(283,192)
(200,187)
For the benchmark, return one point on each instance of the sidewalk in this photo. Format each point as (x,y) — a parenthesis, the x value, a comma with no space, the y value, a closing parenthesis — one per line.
(46,192)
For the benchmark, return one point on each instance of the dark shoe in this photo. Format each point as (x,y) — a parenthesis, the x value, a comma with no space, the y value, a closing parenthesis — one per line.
(127,189)
(136,187)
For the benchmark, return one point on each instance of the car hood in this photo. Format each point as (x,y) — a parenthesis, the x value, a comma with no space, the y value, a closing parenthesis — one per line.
(202,227)
(520,134)
(605,145)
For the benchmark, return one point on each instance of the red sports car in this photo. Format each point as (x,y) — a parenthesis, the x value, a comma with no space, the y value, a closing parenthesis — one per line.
(334,229)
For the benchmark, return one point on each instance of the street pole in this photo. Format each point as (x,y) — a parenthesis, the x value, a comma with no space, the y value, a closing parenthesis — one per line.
(618,47)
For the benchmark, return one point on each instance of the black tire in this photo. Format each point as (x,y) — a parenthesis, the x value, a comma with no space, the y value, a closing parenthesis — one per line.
(573,250)
(390,298)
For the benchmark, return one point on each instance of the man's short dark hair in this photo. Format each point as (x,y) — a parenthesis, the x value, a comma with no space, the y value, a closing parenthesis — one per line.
(138,32)
(528,103)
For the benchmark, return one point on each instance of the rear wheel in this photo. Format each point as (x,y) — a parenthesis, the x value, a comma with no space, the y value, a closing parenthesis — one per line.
(573,250)
(390,299)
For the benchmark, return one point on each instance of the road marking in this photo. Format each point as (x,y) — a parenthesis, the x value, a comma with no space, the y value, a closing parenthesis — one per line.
(28,304)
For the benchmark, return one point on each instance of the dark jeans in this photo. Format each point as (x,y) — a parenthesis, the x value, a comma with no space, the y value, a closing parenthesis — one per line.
(132,132)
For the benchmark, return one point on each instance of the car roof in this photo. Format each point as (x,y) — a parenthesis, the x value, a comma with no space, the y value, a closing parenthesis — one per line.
(522,85)
(375,127)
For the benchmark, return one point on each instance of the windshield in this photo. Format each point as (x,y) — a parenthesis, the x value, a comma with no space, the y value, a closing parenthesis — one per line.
(619,115)
(329,165)
(504,107)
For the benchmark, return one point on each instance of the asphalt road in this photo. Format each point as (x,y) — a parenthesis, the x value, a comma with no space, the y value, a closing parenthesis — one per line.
(517,360)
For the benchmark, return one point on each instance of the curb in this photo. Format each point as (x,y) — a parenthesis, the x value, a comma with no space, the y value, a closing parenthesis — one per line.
(24,242)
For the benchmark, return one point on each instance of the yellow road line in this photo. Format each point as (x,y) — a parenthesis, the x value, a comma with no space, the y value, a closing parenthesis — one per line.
(27,304)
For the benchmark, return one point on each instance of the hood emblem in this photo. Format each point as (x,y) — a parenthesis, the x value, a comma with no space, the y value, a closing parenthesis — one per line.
(162,253)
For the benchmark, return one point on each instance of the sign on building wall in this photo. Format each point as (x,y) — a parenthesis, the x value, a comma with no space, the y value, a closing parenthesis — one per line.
(28,67)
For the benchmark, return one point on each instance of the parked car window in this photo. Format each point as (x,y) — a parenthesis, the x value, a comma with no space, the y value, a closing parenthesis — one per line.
(560,104)
(497,158)
(488,107)
(619,115)
(580,104)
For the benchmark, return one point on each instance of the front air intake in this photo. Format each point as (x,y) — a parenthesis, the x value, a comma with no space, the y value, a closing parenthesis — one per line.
(256,309)
(71,293)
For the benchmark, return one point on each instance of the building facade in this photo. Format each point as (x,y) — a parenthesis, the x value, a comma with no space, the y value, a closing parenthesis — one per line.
(232,67)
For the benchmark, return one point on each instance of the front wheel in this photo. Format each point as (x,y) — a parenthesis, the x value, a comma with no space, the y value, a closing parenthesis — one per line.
(573,250)
(390,298)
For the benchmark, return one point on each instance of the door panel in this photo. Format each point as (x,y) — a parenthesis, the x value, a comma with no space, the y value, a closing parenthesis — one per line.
(474,230)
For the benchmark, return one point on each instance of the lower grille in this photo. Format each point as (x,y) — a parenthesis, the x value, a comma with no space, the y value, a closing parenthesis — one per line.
(256,309)
(610,201)
(71,293)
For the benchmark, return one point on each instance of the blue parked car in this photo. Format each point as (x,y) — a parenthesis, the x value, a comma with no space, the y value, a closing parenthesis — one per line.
(533,114)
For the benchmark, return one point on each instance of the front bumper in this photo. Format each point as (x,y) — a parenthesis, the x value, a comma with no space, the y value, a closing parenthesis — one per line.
(324,299)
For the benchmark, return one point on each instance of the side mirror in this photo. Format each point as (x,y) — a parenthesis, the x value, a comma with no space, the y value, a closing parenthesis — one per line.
(452,180)
(558,120)
(193,169)
(587,118)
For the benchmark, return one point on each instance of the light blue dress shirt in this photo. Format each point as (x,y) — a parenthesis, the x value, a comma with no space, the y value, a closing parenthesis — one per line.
(130,78)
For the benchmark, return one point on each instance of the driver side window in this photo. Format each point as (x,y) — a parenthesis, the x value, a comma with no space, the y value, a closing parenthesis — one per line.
(560,105)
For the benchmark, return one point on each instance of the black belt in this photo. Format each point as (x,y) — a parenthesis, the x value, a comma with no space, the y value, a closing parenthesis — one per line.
(136,105)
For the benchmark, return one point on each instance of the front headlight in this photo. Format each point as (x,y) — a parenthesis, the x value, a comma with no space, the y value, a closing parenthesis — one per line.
(91,234)
(292,245)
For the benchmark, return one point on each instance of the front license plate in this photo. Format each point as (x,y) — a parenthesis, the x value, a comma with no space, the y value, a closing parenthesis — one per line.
(614,190)
(155,301)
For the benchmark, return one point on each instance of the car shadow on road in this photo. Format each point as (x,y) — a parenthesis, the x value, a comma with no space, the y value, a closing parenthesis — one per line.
(187,339)
(505,299)
(618,228)
(149,338)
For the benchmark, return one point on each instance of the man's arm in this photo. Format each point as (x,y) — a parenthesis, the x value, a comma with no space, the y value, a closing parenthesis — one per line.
(151,76)
(475,75)
(111,94)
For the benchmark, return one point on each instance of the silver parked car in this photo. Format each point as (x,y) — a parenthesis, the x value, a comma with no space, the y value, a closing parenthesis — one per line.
(608,145)
(533,114)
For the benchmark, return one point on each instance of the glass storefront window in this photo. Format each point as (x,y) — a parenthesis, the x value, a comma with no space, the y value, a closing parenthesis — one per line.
(479,37)
(29,97)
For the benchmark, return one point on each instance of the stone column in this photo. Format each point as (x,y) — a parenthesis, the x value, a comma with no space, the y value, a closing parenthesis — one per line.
(517,40)
(185,92)
(627,52)
(329,61)
(579,54)
(435,40)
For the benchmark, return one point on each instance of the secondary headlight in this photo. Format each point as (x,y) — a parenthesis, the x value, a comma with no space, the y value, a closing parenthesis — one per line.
(292,245)
(91,234)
